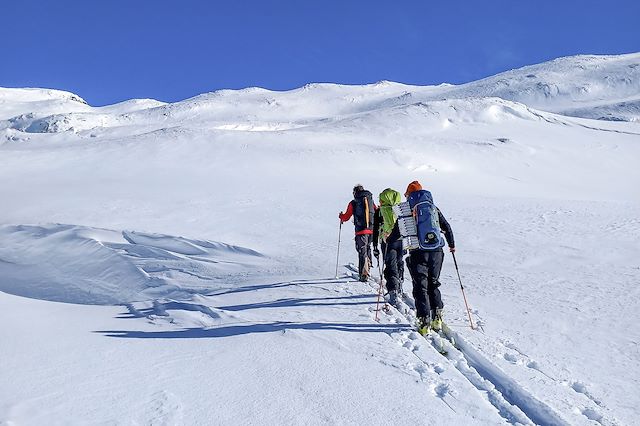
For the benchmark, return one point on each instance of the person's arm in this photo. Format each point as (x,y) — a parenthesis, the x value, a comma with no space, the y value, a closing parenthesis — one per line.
(446,230)
(377,223)
(347,214)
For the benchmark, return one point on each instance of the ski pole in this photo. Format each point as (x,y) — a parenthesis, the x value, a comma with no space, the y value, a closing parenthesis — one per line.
(381,284)
(379,294)
(462,288)
(379,267)
(338,255)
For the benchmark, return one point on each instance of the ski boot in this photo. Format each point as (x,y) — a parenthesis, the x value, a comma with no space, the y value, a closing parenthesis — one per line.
(424,325)
(436,322)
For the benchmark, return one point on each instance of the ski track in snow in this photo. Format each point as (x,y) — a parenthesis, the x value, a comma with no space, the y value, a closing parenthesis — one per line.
(510,411)
(514,403)
(505,394)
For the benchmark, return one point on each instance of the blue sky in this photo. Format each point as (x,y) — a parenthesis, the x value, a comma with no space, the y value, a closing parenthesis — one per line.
(111,50)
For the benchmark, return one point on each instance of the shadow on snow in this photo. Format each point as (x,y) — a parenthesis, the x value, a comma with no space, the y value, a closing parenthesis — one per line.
(239,330)
(160,308)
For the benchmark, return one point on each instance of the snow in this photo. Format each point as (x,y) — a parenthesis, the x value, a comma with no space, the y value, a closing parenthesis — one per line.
(573,86)
(174,263)
(49,263)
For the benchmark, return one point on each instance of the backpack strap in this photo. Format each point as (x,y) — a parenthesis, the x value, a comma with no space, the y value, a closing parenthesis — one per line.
(415,208)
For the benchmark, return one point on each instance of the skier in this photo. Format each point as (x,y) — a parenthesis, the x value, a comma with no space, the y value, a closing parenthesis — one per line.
(363,209)
(385,230)
(425,262)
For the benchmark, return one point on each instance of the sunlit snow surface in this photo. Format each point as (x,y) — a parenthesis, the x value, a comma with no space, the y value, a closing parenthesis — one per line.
(175,263)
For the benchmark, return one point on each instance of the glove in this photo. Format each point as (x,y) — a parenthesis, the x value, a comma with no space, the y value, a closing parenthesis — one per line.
(376,252)
(452,249)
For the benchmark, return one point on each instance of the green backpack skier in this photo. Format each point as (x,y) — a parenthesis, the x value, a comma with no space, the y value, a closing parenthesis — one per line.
(385,231)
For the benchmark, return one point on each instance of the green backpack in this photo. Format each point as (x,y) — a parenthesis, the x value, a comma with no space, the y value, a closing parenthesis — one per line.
(388,199)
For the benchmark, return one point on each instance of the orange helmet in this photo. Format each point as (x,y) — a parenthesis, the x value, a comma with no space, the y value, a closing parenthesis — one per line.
(413,187)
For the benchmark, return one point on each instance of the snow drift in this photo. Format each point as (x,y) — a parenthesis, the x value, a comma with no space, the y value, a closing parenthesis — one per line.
(76,264)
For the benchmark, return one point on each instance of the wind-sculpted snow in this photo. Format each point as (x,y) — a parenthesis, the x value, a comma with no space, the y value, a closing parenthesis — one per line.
(14,102)
(63,122)
(574,86)
(624,110)
(75,264)
(433,117)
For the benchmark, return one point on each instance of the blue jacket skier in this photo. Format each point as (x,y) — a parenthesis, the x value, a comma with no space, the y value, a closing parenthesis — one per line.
(425,262)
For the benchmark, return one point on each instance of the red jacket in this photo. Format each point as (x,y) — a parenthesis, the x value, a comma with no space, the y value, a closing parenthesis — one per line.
(347,215)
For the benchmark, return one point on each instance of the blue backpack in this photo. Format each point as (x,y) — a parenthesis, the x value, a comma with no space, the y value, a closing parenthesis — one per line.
(427,222)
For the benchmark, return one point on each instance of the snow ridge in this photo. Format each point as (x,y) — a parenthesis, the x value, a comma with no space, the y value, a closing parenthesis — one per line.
(76,264)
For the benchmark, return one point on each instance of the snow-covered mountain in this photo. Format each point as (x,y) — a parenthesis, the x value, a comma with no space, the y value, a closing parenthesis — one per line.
(589,86)
(175,263)
(600,87)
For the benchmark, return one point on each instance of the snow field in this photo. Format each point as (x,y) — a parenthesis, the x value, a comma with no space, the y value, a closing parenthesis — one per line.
(168,263)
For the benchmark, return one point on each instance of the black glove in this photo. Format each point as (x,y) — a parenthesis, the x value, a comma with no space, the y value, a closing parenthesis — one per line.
(376,252)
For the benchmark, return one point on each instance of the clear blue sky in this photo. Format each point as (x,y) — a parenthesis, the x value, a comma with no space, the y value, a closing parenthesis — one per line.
(111,50)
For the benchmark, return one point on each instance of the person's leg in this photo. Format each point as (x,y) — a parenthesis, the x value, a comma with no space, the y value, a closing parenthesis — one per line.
(361,250)
(390,252)
(417,264)
(434,266)
(400,261)
(363,261)
(369,262)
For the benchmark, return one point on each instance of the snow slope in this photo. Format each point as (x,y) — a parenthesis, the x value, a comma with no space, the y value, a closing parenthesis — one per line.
(600,87)
(174,263)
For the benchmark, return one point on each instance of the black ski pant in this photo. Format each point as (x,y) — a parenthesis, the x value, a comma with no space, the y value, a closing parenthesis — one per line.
(363,247)
(393,264)
(425,266)
(401,269)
